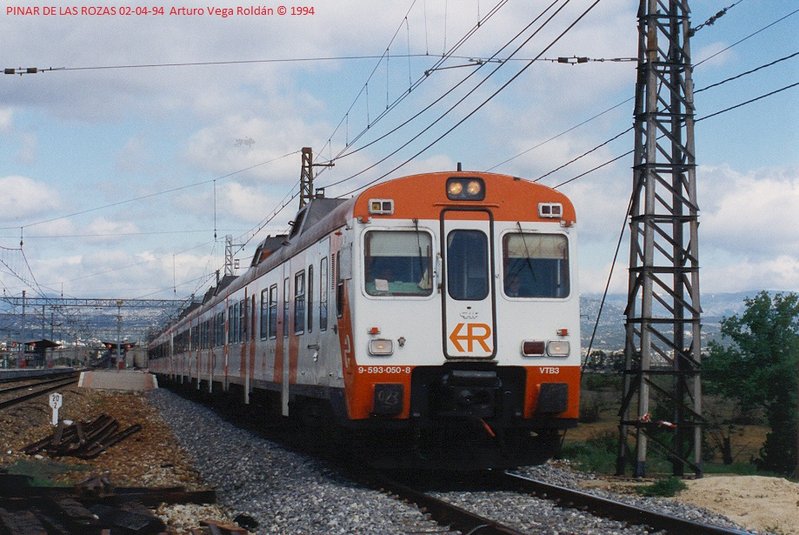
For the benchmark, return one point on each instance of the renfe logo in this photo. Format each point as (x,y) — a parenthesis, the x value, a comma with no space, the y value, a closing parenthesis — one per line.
(475,332)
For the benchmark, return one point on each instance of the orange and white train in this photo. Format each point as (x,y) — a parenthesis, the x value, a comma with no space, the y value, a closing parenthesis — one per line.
(432,318)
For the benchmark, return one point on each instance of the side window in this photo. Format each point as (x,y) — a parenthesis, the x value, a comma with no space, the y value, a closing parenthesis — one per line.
(272,321)
(339,286)
(232,317)
(323,281)
(398,263)
(309,299)
(535,265)
(243,318)
(219,329)
(264,314)
(286,295)
(467,265)
(299,302)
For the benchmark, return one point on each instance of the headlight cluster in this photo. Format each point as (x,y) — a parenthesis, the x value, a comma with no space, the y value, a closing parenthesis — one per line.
(465,189)
(539,348)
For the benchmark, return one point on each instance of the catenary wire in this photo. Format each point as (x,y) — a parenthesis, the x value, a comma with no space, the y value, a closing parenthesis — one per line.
(501,88)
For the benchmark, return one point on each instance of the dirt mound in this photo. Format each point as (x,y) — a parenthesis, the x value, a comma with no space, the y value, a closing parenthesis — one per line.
(755,502)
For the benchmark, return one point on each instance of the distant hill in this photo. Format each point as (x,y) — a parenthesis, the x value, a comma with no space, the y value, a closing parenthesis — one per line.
(610,331)
(609,337)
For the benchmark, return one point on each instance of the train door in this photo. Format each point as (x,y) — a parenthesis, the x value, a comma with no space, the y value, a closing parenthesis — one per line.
(286,293)
(313,342)
(468,277)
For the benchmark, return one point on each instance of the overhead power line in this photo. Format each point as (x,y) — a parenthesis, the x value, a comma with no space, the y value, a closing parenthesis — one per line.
(720,112)
(749,36)
(746,73)
(712,20)
(722,82)
(149,195)
(484,102)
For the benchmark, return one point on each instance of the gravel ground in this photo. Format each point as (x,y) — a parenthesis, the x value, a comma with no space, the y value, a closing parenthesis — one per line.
(285,492)
(289,493)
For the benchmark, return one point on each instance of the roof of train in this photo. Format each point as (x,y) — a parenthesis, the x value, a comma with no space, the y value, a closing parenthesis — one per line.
(322,215)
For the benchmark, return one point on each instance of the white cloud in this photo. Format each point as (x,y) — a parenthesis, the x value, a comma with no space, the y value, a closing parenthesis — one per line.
(139,131)
(754,214)
(24,198)
(6,119)
(742,273)
(28,148)
(109,228)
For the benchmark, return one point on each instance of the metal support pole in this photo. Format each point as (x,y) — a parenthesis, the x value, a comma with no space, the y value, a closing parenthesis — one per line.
(661,402)
(119,333)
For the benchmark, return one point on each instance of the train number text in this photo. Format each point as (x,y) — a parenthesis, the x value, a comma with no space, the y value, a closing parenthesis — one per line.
(384,369)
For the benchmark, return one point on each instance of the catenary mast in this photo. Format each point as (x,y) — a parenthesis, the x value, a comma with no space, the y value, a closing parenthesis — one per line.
(661,401)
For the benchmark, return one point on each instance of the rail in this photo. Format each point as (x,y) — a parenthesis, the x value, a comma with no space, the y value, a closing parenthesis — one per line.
(613,509)
(41,387)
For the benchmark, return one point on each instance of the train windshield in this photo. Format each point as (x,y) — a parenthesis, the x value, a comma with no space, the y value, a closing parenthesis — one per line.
(398,263)
(535,265)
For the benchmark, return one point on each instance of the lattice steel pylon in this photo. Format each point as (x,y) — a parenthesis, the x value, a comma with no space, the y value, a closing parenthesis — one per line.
(661,399)
(306,177)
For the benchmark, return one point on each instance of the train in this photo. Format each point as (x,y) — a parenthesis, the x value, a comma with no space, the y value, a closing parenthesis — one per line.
(430,320)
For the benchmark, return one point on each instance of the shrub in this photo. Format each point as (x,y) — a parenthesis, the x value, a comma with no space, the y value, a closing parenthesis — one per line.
(663,487)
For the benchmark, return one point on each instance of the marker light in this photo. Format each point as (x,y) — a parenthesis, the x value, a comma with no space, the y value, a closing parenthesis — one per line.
(551,210)
(380,347)
(558,348)
(381,206)
(533,348)
(465,189)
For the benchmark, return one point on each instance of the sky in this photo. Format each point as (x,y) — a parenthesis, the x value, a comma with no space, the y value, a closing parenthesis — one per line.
(145,139)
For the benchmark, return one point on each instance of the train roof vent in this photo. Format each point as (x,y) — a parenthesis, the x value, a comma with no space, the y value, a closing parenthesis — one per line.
(267,247)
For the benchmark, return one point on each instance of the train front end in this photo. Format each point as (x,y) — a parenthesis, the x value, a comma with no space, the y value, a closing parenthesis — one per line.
(460,339)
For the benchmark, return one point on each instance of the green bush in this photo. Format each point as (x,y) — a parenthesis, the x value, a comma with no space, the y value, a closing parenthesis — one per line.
(663,487)
(597,454)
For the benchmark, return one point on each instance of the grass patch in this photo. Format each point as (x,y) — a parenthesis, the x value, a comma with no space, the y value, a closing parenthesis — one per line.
(738,469)
(597,454)
(44,472)
(667,487)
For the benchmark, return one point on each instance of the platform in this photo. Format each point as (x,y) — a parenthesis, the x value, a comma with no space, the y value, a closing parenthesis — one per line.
(10,374)
(128,380)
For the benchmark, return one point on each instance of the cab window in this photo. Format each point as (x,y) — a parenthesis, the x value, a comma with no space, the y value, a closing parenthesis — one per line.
(398,263)
(535,265)
(467,265)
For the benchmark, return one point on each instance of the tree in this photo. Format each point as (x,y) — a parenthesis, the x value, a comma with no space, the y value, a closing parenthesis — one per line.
(757,365)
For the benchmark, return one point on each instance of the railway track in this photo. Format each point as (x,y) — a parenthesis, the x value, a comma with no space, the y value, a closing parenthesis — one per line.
(459,518)
(35,387)
(437,497)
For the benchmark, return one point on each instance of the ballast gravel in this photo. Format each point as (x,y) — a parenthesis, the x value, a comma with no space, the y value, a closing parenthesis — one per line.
(287,493)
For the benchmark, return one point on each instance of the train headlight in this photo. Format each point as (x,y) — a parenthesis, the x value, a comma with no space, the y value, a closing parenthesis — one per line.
(539,348)
(381,347)
(465,189)
(558,348)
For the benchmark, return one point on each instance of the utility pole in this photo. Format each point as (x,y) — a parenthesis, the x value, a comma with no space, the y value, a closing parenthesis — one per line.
(306,176)
(119,332)
(21,356)
(228,255)
(307,193)
(662,397)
